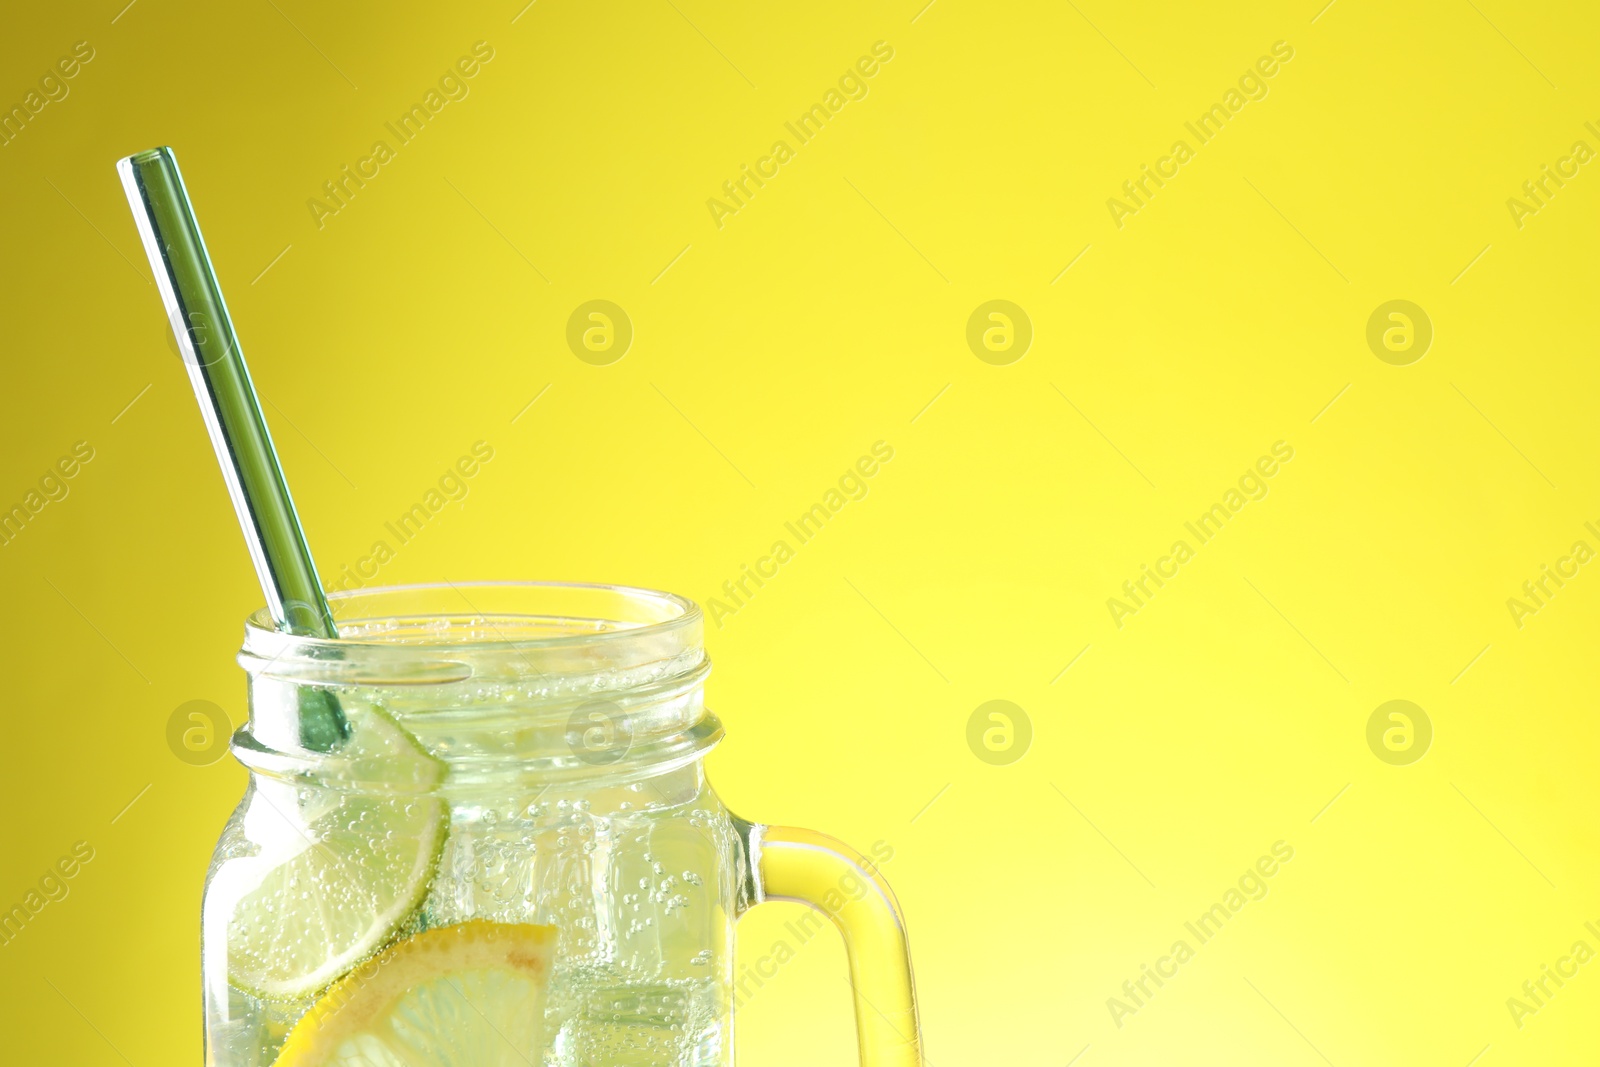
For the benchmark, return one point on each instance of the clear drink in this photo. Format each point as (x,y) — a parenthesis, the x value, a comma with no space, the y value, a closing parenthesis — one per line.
(514,859)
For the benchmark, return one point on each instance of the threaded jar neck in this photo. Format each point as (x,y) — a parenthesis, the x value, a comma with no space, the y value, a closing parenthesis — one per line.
(495,680)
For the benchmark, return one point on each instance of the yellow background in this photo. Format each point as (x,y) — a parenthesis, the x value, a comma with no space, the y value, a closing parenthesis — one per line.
(824,316)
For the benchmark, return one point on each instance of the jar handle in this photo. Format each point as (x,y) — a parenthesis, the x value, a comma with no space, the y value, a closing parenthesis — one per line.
(805,867)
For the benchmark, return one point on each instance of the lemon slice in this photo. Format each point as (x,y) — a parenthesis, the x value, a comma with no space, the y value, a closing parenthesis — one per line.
(470,995)
(321,875)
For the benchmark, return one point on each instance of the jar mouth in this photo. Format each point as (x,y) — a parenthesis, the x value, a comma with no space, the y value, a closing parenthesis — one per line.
(444,632)
(546,613)
(495,679)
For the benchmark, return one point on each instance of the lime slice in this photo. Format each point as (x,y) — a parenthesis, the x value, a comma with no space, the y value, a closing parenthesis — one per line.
(470,995)
(322,876)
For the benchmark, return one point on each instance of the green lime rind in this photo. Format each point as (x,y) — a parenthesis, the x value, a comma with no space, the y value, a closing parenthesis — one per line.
(337,873)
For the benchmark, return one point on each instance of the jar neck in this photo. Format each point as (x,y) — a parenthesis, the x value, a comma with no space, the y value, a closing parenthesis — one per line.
(482,734)
(560,684)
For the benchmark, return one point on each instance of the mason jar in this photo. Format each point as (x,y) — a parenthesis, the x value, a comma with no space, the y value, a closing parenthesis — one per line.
(511,760)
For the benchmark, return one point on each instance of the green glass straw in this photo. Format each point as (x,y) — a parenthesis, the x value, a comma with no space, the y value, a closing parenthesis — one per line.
(206,340)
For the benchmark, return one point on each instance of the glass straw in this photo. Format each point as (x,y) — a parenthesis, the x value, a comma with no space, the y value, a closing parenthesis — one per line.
(206,339)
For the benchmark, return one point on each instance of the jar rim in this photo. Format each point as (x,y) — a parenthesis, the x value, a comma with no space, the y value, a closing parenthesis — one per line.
(438,633)
(658,612)
(493,673)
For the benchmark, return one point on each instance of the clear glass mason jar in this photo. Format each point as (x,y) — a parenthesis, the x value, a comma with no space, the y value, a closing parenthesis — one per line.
(513,753)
